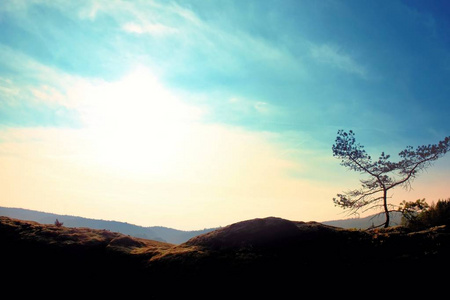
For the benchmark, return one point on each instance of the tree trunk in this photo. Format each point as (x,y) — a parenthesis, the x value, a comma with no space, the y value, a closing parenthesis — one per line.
(386,211)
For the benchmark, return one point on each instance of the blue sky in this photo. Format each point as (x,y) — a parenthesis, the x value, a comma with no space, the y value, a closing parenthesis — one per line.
(190,95)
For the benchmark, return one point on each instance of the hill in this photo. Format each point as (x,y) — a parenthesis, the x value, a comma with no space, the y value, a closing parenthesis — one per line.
(367,222)
(258,257)
(157,233)
(160,233)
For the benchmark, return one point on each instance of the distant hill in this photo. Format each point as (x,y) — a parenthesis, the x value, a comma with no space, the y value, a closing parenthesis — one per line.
(157,233)
(366,222)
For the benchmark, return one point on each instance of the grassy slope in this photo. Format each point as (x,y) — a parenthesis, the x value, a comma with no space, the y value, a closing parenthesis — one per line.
(260,255)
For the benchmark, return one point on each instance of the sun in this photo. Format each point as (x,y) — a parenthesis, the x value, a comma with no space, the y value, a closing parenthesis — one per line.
(136,124)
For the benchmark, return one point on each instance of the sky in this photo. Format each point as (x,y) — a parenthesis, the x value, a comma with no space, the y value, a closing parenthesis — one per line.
(198,114)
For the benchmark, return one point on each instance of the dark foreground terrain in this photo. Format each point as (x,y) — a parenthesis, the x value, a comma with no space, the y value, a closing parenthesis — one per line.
(253,258)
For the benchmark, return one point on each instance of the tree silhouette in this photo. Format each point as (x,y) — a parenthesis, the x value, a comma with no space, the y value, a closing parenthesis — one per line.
(383,174)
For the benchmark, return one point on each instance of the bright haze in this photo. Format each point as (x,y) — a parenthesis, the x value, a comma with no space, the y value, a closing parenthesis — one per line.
(197,114)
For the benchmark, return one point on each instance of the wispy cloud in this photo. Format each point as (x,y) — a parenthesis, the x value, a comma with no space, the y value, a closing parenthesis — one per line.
(33,94)
(152,29)
(337,58)
(246,106)
(26,79)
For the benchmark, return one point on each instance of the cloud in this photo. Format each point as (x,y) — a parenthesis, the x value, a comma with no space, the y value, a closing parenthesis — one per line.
(91,9)
(32,93)
(333,56)
(249,107)
(152,29)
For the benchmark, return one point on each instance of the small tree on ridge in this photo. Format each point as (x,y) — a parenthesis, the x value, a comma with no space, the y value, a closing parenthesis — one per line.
(383,174)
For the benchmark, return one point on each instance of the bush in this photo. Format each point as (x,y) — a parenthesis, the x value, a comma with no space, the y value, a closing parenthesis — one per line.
(411,210)
(434,215)
(58,223)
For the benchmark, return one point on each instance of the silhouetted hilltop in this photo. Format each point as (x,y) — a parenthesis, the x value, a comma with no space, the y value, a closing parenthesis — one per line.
(252,258)
(281,245)
(263,233)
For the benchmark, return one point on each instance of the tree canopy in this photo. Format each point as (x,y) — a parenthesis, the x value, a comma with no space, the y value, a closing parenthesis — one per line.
(383,174)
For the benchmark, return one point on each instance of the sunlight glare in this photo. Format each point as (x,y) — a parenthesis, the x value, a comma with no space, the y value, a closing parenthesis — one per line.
(136,124)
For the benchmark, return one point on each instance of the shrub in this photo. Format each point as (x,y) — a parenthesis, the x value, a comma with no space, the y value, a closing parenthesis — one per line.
(58,223)
(437,214)
(433,215)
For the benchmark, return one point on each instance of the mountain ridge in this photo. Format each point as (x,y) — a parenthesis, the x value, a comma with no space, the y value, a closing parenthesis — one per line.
(161,233)
(157,233)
